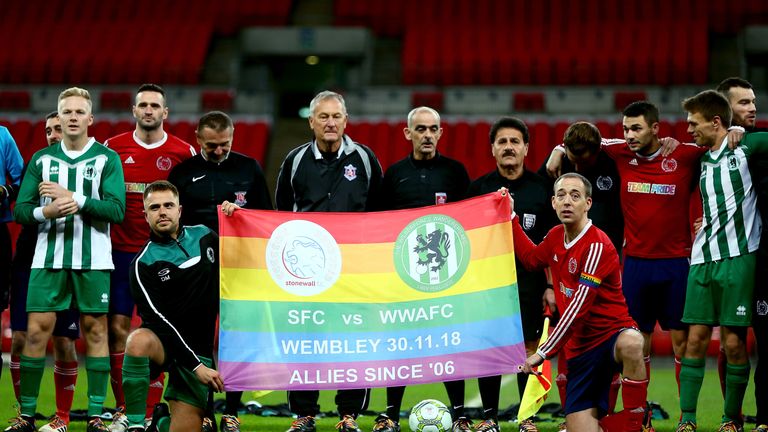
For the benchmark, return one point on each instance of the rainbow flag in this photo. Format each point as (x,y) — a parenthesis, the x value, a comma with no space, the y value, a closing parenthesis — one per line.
(356,300)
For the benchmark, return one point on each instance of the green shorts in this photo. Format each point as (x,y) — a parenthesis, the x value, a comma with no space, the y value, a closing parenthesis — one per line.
(53,290)
(184,386)
(720,292)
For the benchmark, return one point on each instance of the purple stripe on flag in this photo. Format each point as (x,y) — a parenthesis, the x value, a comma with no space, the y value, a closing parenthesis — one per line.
(355,375)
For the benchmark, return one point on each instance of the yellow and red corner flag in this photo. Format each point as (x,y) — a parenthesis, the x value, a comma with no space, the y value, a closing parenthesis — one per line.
(538,385)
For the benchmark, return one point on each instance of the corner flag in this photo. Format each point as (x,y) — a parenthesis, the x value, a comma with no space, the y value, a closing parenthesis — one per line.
(538,385)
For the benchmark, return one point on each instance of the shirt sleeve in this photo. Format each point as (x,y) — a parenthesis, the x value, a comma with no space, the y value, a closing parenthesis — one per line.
(284,196)
(594,269)
(29,196)
(111,206)
(534,257)
(259,190)
(140,280)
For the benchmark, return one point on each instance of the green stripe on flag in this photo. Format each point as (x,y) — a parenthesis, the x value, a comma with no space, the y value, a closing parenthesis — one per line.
(257,316)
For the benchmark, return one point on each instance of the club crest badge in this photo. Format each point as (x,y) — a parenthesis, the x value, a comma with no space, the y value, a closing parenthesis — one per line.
(350,172)
(240,198)
(163,163)
(529,221)
(572,265)
(669,165)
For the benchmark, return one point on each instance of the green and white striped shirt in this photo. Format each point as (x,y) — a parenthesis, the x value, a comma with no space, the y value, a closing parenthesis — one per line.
(80,241)
(731,225)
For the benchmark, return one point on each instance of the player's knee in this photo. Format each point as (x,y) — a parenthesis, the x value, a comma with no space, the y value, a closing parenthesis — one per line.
(64,349)
(630,345)
(18,339)
(141,342)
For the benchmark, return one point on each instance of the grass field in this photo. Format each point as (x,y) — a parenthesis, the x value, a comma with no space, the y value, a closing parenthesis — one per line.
(663,390)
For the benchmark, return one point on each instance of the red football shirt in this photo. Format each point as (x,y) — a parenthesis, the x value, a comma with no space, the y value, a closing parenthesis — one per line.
(655,199)
(586,276)
(142,164)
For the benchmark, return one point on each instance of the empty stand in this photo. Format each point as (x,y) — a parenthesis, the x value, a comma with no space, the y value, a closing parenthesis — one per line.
(120,101)
(14,100)
(222,100)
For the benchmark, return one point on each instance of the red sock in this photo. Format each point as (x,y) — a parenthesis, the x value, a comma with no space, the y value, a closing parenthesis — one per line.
(721,362)
(562,378)
(678,366)
(634,394)
(647,361)
(562,382)
(15,367)
(156,387)
(613,422)
(64,378)
(116,377)
(613,393)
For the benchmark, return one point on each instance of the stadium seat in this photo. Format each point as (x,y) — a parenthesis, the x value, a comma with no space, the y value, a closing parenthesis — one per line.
(14,100)
(528,102)
(432,99)
(623,98)
(121,101)
(222,100)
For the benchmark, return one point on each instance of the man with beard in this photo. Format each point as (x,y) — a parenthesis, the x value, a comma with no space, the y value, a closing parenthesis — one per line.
(509,146)
(147,153)
(741,97)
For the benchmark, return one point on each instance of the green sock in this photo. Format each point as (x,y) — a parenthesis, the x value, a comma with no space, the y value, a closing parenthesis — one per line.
(736,380)
(135,388)
(691,378)
(97,370)
(31,374)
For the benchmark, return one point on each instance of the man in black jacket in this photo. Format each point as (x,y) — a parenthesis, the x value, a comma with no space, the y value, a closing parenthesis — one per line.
(331,173)
(217,175)
(175,282)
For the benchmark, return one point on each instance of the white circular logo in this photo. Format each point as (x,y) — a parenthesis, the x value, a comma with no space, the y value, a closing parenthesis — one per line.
(303,258)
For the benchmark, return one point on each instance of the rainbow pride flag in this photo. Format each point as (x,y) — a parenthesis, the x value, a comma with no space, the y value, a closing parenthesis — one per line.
(357,300)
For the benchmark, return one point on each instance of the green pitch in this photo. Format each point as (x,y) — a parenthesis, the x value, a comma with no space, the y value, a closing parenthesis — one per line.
(663,390)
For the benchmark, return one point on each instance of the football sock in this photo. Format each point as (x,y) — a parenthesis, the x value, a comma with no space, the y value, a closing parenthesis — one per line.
(135,387)
(562,382)
(613,392)
(394,401)
(64,378)
(633,395)
(677,373)
(97,370)
(455,390)
(647,361)
(156,387)
(691,378)
(31,374)
(490,387)
(722,361)
(736,379)
(15,367)
(233,402)
(116,377)
(522,380)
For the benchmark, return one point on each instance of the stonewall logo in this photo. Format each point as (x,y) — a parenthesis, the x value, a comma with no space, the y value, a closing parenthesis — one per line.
(303,258)
(432,253)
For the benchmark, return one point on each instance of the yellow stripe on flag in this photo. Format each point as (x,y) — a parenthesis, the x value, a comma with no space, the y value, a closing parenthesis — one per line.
(257,285)
(538,386)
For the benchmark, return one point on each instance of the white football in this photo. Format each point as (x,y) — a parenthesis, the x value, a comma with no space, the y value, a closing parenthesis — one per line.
(430,416)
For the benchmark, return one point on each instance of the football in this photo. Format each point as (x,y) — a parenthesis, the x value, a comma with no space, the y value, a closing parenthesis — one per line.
(430,415)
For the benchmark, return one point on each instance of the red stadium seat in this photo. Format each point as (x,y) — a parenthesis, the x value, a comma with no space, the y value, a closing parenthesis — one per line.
(623,98)
(14,100)
(528,102)
(431,99)
(116,100)
(222,100)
